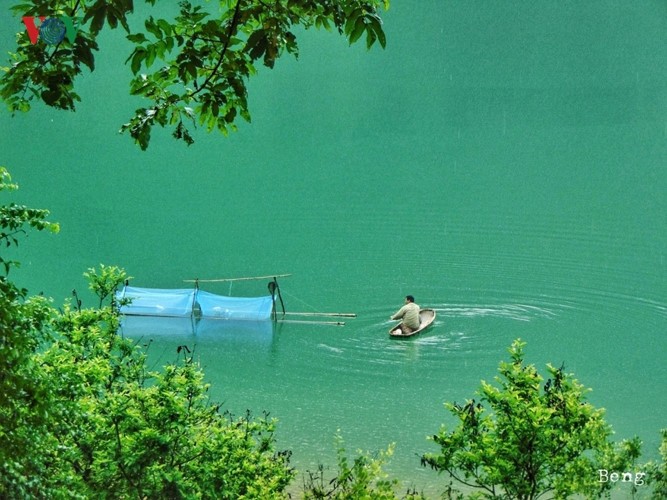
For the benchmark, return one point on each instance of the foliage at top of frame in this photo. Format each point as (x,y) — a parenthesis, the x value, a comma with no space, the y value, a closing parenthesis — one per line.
(192,70)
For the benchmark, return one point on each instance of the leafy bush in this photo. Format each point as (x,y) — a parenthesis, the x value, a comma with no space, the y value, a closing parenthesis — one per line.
(81,416)
(657,472)
(534,439)
(25,391)
(364,478)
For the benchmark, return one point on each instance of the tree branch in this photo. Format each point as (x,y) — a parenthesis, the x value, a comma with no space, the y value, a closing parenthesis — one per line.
(232,29)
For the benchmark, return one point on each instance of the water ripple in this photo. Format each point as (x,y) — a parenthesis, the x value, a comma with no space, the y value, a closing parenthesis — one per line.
(518,312)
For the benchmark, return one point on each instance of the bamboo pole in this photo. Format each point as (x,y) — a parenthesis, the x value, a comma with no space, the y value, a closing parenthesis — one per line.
(329,323)
(221,280)
(338,315)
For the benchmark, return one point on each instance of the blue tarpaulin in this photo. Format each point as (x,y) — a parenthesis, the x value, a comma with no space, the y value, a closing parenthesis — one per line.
(157,301)
(182,302)
(249,308)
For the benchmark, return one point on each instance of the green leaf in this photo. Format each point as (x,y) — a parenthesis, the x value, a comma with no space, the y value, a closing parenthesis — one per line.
(137,59)
(191,67)
(259,49)
(99,16)
(376,26)
(165,26)
(253,39)
(152,27)
(137,38)
(204,111)
(85,55)
(51,97)
(150,55)
(370,38)
(112,19)
(359,28)
(352,20)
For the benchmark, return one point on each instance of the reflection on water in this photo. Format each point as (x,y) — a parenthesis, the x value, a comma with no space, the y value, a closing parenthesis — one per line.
(198,329)
(148,326)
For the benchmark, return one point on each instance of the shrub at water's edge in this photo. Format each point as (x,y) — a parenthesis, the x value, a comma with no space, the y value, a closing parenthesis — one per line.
(136,433)
(526,438)
(112,429)
(363,478)
(81,416)
(657,472)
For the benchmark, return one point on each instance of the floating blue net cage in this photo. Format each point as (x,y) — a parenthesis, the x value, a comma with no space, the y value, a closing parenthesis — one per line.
(137,301)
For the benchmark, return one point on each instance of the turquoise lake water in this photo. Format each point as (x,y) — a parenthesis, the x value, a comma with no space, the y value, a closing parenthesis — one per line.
(503,162)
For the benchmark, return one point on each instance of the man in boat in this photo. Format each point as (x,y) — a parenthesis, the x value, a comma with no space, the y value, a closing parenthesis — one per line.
(410,315)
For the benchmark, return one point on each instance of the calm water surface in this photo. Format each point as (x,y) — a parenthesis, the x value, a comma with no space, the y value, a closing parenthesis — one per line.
(503,163)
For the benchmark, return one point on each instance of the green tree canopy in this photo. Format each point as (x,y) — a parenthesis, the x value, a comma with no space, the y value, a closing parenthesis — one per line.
(191,70)
(24,386)
(525,438)
(657,471)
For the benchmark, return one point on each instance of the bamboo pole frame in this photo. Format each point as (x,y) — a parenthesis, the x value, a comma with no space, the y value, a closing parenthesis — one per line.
(337,315)
(327,323)
(223,280)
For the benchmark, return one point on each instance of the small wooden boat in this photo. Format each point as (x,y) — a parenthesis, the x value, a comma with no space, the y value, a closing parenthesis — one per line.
(426,319)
